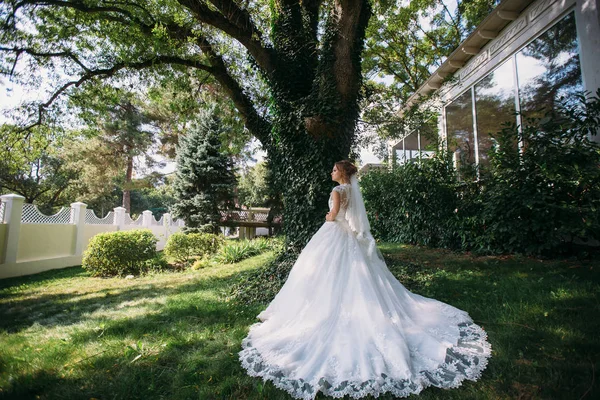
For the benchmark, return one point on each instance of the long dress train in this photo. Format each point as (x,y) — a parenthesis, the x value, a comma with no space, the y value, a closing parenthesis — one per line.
(342,324)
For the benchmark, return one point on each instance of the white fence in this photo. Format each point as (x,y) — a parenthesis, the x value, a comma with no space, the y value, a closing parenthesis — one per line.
(31,242)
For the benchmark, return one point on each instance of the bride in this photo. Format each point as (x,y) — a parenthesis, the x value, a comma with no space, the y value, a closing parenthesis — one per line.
(343,325)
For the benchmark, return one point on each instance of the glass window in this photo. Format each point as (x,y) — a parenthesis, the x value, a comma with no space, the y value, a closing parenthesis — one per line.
(459,128)
(548,69)
(428,138)
(495,105)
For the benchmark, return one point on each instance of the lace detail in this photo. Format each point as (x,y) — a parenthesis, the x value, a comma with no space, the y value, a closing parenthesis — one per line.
(344,197)
(466,360)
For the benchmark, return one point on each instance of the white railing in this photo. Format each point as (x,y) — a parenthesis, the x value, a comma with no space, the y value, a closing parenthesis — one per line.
(128,220)
(31,215)
(32,242)
(92,219)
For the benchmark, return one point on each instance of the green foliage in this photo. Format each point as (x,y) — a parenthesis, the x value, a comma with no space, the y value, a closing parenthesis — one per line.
(119,132)
(293,71)
(415,203)
(175,103)
(255,187)
(35,168)
(204,179)
(261,286)
(541,201)
(120,253)
(154,196)
(183,248)
(235,252)
(546,200)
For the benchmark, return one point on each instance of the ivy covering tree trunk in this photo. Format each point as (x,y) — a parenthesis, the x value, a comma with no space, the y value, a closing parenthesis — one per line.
(305,54)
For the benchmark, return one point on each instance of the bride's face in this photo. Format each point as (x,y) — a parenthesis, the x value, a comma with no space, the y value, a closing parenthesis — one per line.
(336,174)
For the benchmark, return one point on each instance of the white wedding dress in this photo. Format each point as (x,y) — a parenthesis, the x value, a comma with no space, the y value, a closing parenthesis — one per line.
(342,324)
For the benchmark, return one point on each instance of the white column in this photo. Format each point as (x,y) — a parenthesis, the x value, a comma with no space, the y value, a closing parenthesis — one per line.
(78,219)
(167,224)
(147,218)
(13,210)
(119,218)
(587,16)
(251,233)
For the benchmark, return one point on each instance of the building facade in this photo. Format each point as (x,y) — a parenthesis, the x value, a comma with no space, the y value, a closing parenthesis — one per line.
(524,56)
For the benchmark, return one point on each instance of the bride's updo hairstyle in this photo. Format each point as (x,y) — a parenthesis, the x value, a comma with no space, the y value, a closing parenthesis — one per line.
(347,168)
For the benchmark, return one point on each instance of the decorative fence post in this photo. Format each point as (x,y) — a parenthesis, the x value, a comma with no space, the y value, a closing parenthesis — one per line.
(78,219)
(13,211)
(147,218)
(119,218)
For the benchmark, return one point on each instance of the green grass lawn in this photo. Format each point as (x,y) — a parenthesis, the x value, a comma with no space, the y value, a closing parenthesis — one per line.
(65,335)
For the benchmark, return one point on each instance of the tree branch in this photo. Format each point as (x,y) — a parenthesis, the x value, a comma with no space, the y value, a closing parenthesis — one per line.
(32,52)
(244,31)
(311,8)
(253,121)
(83,7)
(108,72)
(454,22)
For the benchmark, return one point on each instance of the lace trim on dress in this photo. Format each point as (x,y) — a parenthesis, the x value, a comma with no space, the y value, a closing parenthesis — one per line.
(466,360)
(342,190)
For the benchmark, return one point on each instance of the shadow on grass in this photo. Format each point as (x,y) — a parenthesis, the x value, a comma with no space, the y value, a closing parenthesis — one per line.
(41,278)
(187,346)
(69,308)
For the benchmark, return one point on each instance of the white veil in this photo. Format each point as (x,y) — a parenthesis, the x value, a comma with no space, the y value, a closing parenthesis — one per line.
(356,215)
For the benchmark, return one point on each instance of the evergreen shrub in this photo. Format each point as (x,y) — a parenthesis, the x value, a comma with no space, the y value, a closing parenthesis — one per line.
(415,203)
(183,248)
(120,253)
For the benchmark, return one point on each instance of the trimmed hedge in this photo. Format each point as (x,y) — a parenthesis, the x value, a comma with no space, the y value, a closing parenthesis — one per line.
(120,253)
(184,248)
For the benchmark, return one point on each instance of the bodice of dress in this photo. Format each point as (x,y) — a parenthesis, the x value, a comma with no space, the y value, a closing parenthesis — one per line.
(344,191)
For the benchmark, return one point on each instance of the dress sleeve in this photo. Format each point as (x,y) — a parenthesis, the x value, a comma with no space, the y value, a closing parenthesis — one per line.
(342,190)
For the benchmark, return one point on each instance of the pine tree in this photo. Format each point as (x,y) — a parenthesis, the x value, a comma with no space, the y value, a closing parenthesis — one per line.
(204,180)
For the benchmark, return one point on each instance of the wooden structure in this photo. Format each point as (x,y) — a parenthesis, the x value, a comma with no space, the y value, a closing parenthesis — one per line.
(250,219)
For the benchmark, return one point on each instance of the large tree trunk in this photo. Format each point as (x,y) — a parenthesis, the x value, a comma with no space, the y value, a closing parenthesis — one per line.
(315,111)
(127,185)
(305,183)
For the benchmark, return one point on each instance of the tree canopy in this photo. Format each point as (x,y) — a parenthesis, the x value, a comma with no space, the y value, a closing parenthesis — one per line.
(406,43)
(291,68)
